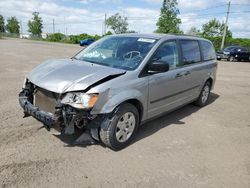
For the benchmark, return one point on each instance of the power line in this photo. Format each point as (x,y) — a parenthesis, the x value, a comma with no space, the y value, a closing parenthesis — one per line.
(241,4)
(209,8)
(240,12)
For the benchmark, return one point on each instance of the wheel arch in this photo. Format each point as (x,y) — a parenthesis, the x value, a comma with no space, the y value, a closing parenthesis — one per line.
(137,104)
(210,79)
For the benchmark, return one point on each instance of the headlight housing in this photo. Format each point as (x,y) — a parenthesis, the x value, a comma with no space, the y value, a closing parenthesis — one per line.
(80,100)
(24,82)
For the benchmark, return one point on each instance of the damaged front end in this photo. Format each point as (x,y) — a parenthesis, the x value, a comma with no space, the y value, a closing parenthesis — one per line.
(57,110)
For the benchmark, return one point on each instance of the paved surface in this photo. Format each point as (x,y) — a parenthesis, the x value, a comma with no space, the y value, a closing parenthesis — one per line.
(191,147)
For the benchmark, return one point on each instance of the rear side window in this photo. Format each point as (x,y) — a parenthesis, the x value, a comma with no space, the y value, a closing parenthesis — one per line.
(244,49)
(190,51)
(207,50)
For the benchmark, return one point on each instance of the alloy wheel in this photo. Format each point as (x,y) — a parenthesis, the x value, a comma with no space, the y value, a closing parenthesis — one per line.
(125,127)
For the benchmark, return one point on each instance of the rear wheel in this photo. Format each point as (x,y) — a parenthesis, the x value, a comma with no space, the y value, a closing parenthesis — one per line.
(119,130)
(204,95)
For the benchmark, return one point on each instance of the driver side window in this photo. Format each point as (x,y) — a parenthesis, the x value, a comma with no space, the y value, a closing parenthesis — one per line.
(168,53)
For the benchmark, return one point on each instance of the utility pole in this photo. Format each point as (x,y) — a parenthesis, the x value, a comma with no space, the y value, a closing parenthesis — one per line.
(225,29)
(53,26)
(105,26)
(64,25)
(21,29)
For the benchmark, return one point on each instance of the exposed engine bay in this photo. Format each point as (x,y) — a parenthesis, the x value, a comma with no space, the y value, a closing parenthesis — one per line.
(47,108)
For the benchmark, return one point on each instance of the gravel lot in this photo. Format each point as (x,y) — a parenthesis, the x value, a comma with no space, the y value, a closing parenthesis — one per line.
(191,147)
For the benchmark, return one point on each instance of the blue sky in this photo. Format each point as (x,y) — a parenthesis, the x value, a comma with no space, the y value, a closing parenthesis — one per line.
(87,16)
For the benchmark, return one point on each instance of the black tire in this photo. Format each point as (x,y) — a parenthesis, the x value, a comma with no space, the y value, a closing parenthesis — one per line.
(200,101)
(109,126)
(231,58)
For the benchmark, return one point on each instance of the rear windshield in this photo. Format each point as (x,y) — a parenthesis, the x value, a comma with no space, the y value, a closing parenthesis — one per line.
(229,48)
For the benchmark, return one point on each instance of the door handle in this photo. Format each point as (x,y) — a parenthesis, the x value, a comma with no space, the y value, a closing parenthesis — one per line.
(178,75)
(187,73)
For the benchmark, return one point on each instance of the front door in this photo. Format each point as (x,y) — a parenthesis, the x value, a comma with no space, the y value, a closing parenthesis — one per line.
(164,86)
(174,88)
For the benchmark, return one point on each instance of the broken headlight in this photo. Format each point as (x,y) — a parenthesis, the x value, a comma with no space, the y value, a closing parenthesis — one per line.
(80,100)
(24,82)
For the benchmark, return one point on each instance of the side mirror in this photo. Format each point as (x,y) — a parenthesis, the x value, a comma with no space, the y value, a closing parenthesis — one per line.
(158,67)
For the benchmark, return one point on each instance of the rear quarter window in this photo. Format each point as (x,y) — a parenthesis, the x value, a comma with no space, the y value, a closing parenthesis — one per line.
(190,51)
(207,50)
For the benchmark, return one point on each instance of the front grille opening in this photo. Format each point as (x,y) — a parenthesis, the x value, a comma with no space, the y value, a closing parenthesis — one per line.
(45,100)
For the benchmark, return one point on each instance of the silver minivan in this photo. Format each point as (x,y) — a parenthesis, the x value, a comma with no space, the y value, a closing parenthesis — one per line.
(119,82)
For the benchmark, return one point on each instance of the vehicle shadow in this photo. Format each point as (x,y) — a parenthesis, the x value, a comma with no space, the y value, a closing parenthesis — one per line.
(146,129)
(168,119)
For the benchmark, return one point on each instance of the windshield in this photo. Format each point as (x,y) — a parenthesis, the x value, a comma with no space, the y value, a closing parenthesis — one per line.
(229,48)
(117,51)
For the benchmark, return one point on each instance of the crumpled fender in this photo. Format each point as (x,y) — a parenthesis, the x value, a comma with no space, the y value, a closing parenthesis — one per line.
(105,104)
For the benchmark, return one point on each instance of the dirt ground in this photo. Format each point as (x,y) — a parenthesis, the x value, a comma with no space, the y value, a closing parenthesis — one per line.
(191,147)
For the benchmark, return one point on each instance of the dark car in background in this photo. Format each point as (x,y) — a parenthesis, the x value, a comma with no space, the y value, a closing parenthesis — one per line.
(86,42)
(234,53)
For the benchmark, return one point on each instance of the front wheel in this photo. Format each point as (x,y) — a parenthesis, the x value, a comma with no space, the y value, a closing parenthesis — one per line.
(117,131)
(204,95)
(231,58)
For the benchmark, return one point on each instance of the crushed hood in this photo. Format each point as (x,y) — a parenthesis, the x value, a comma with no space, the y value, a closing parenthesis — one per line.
(65,75)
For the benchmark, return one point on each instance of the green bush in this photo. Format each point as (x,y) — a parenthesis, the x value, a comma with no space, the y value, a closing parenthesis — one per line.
(229,41)
(75,39)
(56,37)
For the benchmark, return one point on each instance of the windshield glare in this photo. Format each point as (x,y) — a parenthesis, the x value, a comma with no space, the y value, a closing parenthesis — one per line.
(118,52)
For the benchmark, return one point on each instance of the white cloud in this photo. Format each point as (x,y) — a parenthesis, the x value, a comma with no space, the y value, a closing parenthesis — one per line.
(189,4)
(153,1)
(185,3)
(100,1)
(141,19)
(80,20)
(50,10)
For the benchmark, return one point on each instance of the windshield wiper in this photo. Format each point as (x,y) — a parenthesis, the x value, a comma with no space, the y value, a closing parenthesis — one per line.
(74,58)
(90,61)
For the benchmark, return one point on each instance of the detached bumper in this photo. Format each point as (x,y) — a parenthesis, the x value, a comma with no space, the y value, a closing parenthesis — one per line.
(29,109)
(64,120)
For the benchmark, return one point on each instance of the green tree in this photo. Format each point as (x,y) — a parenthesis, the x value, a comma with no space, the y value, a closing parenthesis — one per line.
(168,21)
(215,28)
(117,23)
(108,33)
(35,25)
(13,25)
(2,27)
